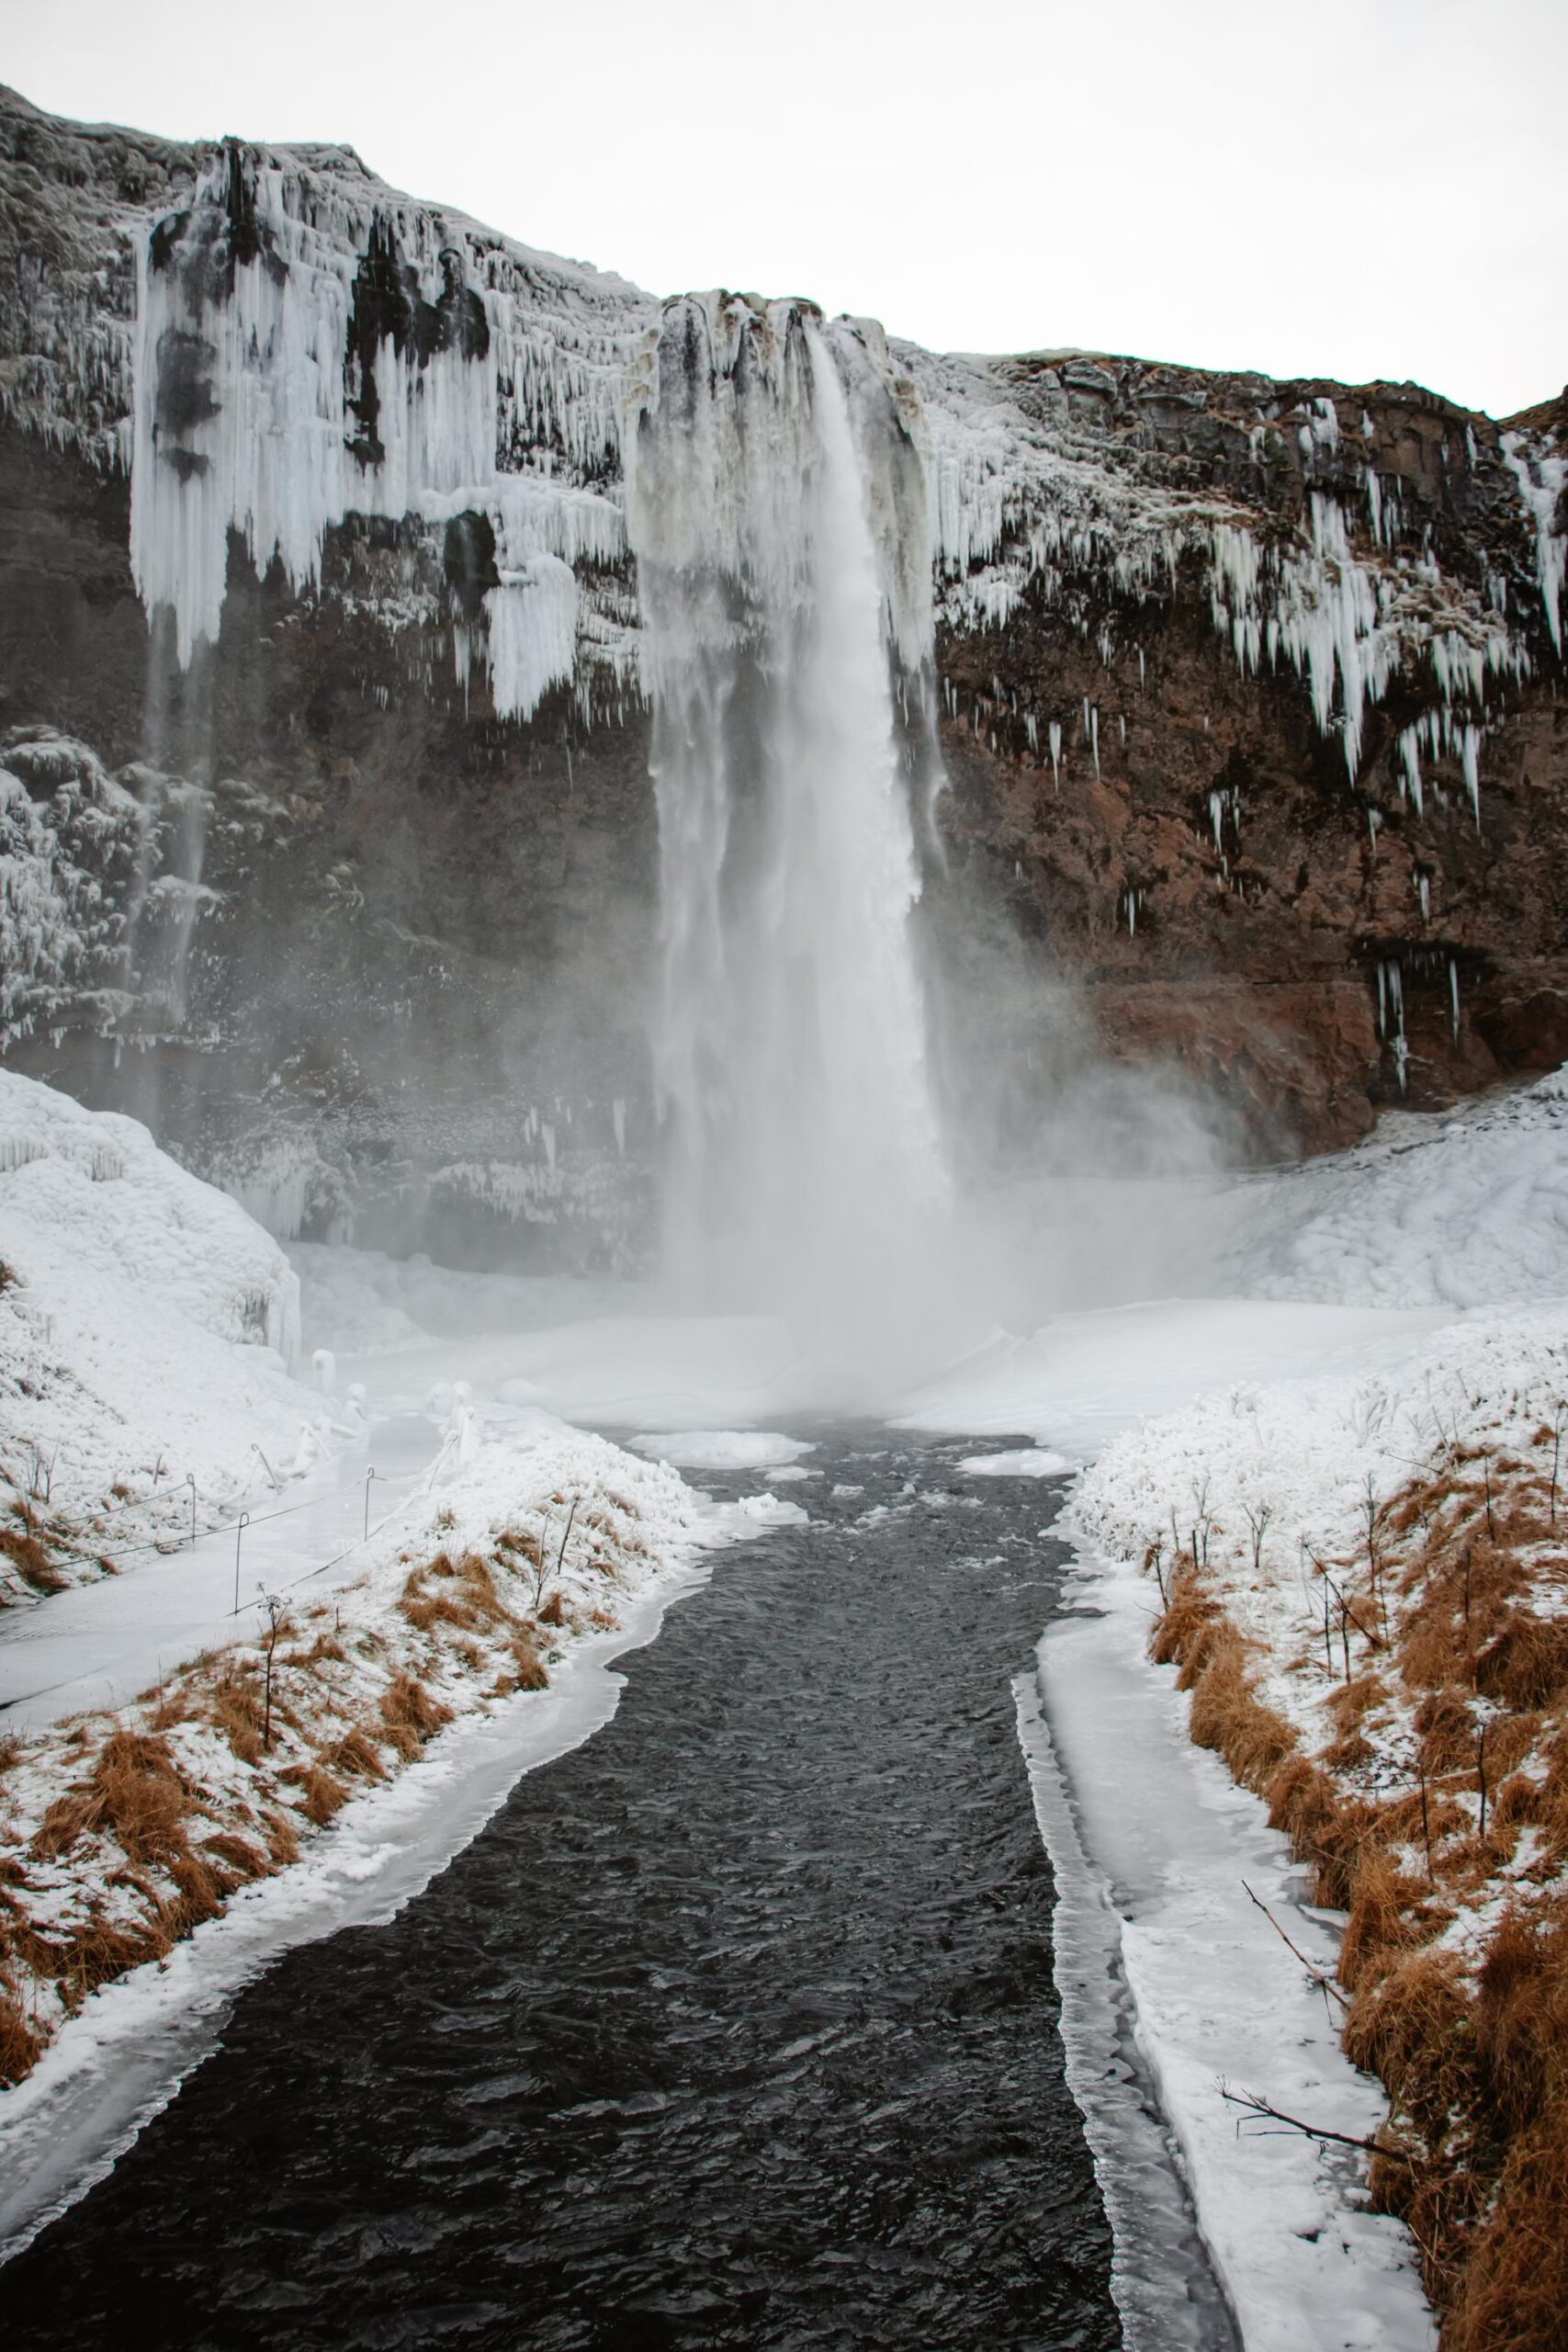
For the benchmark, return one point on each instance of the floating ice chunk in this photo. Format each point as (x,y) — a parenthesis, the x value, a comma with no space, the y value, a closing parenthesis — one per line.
(1021,1462)
(722,1449)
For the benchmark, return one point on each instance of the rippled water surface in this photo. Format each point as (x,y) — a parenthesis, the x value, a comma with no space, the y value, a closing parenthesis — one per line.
(734,2027)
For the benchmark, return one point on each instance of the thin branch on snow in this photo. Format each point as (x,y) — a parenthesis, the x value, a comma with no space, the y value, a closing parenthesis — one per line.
(1324,1983)
(1263,2111)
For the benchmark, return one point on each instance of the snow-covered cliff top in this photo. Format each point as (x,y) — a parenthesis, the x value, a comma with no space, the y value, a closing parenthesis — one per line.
(272,339)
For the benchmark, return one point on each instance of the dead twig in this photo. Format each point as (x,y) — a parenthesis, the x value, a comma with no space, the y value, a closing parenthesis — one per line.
(1265,2111)
(1324,1983)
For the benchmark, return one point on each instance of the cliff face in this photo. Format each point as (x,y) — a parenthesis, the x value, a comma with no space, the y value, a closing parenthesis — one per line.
(313,549)
(1325,902)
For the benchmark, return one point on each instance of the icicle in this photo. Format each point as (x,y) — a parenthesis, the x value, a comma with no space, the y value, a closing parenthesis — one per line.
(1374,503)
(1390,1017)
(1410,762)
(1470,761)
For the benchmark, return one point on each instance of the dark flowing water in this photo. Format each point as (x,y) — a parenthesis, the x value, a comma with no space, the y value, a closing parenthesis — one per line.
(735,2027)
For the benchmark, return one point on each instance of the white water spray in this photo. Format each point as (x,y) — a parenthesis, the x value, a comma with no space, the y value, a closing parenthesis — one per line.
(777,510)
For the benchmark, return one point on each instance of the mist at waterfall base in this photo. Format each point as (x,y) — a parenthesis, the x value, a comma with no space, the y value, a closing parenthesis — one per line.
(880,1117)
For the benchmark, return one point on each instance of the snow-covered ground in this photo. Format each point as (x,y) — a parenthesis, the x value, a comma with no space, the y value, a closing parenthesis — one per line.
(1467,1208)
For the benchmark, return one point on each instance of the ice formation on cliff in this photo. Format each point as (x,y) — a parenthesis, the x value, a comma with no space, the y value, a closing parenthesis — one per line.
(310,344)
(63,822)
(1542,478)
(308,347)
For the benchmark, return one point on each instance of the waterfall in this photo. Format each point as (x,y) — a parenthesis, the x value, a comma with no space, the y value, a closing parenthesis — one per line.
(776,508)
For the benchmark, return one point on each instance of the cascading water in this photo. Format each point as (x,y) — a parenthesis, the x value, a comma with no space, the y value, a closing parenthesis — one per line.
(776,506)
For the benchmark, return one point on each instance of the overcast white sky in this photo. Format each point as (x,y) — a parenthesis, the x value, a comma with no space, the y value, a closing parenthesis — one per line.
(1349,187)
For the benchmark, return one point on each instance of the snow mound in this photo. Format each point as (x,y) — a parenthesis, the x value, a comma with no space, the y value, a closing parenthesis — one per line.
(1470,1209)
(146,1327)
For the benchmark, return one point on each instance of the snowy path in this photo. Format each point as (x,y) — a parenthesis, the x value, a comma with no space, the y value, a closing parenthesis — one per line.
(102,1643)
(99,1644)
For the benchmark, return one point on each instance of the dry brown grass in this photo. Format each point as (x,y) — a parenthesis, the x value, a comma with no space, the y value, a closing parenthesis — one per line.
(1512,2295)
(31,1559)
(521,1543)
(357,1755)
(134,1795)
(20,2045)
(468,1599)
(321,1793)
(411,1714)
(1474,2056)
(235,1708)
(282,1838)
(236,1854)
(1213,1662)
(527,1663)
(1525,1665)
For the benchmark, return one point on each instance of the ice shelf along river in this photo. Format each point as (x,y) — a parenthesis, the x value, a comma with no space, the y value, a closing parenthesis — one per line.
(735,2026)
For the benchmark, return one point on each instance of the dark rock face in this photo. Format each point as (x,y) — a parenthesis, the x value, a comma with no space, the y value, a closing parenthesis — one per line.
(1209,864)
(427,930)
(1254,722)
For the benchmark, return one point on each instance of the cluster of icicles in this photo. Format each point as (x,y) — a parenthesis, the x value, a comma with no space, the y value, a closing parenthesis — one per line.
(248,399)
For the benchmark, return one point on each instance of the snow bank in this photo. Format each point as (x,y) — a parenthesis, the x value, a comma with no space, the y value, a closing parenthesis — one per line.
(1080,1378)
(1468,1209)
(530,1540)
(1269,1477)
(145,1333)
(1217,1999)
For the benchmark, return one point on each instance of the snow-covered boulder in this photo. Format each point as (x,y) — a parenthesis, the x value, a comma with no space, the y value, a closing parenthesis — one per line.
(147,1328)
